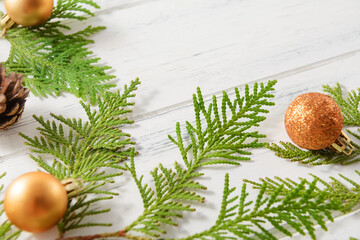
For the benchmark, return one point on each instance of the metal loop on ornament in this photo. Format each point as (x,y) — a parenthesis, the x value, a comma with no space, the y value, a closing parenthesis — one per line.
(343,144)
(72,186)
(6,24)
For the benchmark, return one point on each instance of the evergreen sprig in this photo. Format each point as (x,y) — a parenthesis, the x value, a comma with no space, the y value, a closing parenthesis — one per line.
(288,206)
(300,207)
(53,61)
(333,190)
(82,149)
(220,139)
(349,104)
(351,114)
(288,150)
(6,230)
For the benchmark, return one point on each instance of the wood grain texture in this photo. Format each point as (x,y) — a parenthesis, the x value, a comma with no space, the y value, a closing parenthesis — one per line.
(175,46)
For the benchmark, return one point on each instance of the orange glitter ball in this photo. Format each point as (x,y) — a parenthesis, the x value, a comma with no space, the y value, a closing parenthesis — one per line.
(313,121)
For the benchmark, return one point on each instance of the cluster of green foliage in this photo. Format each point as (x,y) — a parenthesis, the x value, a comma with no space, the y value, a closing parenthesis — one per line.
(53,61)
(287,206)
(323,197)
(335,190)
(350,107)
(288,150)
(221,134)
(83,149)
(6,230)
(220,139)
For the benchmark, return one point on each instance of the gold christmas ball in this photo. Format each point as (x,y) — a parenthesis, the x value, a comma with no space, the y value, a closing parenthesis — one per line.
(35,201)
(29,13)
(313,121)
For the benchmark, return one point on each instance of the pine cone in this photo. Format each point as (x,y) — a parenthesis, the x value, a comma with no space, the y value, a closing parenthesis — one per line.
(12,98)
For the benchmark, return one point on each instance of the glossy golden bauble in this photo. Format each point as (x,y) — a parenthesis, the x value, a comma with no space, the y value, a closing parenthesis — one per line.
(313,121)
(35,201)
(29,13)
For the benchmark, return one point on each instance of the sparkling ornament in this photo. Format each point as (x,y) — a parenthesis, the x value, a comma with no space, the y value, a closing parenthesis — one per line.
(314,121)
(35,201)
(27,13)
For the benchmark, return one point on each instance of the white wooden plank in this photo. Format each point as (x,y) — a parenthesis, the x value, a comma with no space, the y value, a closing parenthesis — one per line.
(180,44)
(175,47)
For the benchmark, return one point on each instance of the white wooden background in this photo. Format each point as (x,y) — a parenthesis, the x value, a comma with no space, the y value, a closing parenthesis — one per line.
(173,46)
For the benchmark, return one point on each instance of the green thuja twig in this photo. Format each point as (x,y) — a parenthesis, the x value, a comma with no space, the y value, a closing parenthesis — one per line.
(52,61)
(220,139)
(6,230)
(83,148)
(288,150)
(351,113)
(297,207)
(350,105)
(335,190)
(224,137)
(286,205)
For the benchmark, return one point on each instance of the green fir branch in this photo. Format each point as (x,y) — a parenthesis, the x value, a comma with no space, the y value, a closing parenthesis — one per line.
(77,212)
(288,206)
(294,153)
(223,138)
(281,207)
(333,190)
(349,105)
(7,232)
(73,9)
(299,208)
(53,61)
(82,149)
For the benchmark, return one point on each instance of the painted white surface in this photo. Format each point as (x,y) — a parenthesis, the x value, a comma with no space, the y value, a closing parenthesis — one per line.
(175,46)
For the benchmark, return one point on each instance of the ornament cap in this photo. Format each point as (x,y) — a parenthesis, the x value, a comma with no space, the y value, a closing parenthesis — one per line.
(72,186)
(6,24)
(343,144)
